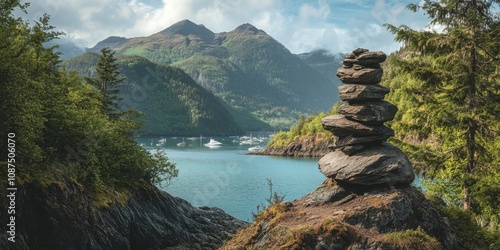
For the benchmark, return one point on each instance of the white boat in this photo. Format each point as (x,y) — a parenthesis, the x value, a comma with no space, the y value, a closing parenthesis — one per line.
(249,142)
(212,144)
(192,138)
(256,149)
(161,142)
(181,144)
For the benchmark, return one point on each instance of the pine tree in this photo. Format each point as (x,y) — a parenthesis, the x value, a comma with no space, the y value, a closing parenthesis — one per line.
(458,93)
(107,82)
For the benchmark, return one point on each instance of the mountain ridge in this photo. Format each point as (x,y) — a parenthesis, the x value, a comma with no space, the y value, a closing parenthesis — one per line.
(247,68)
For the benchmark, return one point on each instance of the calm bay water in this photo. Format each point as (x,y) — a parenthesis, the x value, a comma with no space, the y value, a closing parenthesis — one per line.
(228,178)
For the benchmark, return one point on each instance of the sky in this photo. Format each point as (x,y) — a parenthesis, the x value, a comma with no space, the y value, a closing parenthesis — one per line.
(300,25)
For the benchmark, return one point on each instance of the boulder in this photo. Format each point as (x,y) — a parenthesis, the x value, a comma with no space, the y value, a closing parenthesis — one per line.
(360,92)
(359,51)
(364,58)
(369,112)
(362,76)
(383,165)
(371,63)
(342,127)
(376,55)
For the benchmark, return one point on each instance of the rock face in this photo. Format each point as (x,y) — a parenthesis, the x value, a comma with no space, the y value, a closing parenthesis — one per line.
(62,217)
(367,198)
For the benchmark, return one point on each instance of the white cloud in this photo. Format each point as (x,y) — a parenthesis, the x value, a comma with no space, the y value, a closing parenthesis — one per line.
(301,26)
(308,11)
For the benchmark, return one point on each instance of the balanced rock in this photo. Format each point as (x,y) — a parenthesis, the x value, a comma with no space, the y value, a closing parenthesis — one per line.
(361,76)
(369,112)
(342,127)
(381,165)
(366,140)
(379,56)
(360,92)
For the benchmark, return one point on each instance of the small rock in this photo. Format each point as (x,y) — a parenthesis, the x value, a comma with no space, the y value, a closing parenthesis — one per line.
(370,63)
(362,76)
(351,140)
(359,51)
(342,127)
(359,92)
(370,112)
(351,149)
(376,55)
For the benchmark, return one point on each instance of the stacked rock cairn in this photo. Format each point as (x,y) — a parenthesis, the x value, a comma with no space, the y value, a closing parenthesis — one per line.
(361,158)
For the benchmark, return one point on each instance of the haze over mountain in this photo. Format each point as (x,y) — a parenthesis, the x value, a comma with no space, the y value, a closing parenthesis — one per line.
(249,70)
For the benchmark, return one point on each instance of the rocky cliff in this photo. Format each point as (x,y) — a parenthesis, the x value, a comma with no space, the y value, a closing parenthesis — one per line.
(367,201)
(61,216)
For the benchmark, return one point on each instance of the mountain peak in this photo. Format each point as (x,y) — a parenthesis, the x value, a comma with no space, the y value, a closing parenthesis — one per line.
(110,42)
(186,27)
(248,28)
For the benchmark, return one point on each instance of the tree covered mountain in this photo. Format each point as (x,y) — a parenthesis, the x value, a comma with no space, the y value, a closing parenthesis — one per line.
(325,62)
(172,103)
(253,73)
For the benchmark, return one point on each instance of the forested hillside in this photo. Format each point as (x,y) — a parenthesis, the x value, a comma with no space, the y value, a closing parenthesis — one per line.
(172,103)
(59,126)
(253,73)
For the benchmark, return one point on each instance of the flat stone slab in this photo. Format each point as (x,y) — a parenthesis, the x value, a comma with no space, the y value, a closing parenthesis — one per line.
(351,140)
(360,92)
(365,58)
(374,166)
(342,127)
(369,112)
(361,76)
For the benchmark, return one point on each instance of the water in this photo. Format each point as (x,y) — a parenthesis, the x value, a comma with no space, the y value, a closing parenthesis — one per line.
(228,178)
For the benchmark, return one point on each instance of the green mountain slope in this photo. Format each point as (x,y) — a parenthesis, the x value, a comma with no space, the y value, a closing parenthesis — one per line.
(325,62)
(172,102)
(253,73)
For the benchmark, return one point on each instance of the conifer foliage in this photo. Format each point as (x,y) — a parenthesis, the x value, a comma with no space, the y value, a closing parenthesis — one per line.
(107,82)
(453,89)
(59,124)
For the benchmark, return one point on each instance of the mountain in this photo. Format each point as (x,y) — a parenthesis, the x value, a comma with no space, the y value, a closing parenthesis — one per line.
(111,41)
(324,61)
(249,70)
(65,47)
(172,102)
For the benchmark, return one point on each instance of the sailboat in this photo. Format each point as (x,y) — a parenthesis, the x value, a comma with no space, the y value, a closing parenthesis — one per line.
(181,144)
(212,144)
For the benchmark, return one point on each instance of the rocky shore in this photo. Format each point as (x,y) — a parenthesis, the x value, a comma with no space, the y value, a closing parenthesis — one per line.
(61,216)
(306,146)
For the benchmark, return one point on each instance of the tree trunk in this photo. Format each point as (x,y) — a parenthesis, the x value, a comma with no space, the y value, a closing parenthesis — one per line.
(470,142)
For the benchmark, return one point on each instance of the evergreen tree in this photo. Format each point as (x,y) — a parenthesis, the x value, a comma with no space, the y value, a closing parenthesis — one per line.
(107,82)
(456,89)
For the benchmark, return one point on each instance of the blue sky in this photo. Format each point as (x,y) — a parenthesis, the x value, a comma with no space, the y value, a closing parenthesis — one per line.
(301,26)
